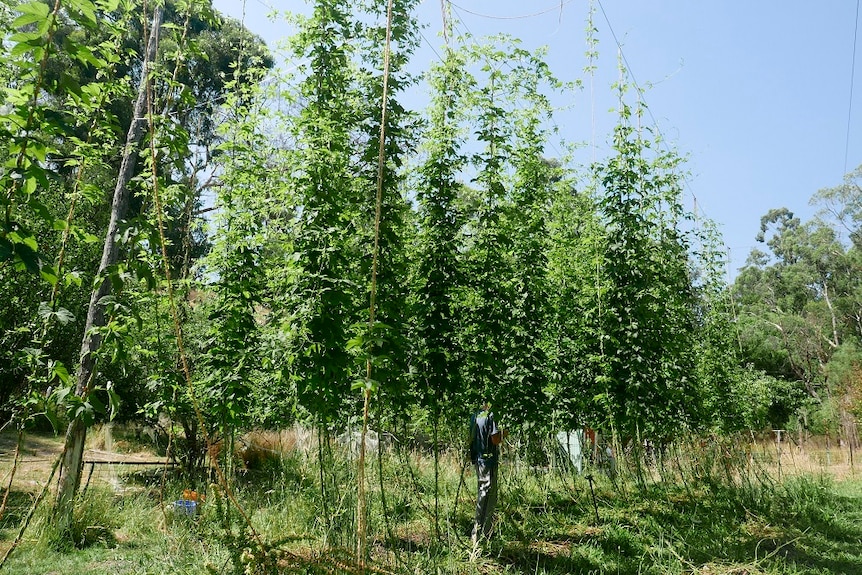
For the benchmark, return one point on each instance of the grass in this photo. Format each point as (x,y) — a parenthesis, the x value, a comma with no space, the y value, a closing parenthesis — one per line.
(697,516)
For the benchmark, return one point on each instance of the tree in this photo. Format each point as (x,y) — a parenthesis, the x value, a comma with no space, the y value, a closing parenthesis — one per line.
(798,302)
(323,300)
(523,392)
(73,449)
(438,274)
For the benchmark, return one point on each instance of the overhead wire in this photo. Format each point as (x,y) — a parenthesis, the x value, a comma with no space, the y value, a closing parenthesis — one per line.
(267,5)
(460,21)
(697,203)
(852,81)
(433,49)
(558,6)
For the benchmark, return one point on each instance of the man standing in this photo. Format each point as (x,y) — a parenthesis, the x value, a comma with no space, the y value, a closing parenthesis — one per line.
(485,439)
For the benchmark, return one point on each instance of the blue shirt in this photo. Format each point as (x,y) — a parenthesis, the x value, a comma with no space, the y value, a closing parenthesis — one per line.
(482,427)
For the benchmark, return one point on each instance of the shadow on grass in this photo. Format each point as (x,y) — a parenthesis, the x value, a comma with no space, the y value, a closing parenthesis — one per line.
(800,525)
(560,558)
(36,444)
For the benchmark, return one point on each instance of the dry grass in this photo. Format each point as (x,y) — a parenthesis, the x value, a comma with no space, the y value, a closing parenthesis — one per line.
(40,451)
(812,457)
(258,447)
(37,456)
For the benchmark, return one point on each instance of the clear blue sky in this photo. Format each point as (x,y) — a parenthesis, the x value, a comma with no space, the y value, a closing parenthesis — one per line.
(756,94)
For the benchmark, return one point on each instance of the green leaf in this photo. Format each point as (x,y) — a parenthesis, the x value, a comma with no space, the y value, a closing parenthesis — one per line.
(85,56)
(29,186)
(72,278)
(24,251)
(86,8)
(53,419)
(59,396)
(84,412)
(34,353)
(49,275)
(30,242)
(113,401)
(7,250)
(26,19)
(365,384)
(26,43)
(116,278)
(96,403)
(61,373)
(38,151)
(35,8)
(64,316)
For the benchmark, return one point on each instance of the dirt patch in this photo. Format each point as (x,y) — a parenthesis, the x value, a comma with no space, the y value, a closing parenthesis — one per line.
(39,452)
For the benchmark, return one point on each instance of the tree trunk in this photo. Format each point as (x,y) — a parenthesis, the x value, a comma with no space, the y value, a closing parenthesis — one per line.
(73,451)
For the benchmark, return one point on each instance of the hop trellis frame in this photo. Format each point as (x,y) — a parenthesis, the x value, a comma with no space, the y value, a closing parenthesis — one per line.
(487,270)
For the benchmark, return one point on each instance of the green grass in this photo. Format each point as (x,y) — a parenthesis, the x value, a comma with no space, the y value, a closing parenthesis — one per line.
(546,524)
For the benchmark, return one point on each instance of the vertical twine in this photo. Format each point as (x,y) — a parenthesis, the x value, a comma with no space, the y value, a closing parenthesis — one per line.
(361,525)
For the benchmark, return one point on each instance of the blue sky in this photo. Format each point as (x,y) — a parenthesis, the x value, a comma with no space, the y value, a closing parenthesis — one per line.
(757,94)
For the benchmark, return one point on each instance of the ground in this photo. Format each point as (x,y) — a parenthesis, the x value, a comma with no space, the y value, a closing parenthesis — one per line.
(694,516)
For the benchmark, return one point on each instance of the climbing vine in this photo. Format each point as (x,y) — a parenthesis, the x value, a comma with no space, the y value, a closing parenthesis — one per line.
(325,252)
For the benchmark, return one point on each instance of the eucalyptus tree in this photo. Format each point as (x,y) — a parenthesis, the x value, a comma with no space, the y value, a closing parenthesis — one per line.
(798,303)
(780,332)
(841,212)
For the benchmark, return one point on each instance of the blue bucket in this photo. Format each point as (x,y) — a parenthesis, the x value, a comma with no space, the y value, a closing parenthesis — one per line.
(186,507)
